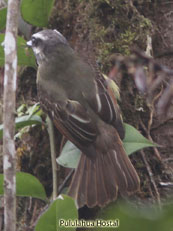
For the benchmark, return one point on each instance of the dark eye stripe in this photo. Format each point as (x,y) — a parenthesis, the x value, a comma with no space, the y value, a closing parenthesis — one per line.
(35,41)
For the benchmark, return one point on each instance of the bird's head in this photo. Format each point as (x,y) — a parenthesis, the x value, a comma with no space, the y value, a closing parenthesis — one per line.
(44,43)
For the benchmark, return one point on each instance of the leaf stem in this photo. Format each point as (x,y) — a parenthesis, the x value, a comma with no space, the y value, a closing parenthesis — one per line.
(50,129)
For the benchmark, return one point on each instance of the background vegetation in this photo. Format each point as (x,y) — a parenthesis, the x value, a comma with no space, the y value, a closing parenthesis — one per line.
(97,30)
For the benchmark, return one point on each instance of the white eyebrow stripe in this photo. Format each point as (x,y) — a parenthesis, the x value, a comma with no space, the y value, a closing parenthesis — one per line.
(58,33)
(40,36)
(63,39)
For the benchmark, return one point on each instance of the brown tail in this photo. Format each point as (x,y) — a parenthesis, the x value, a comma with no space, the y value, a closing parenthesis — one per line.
(96,182)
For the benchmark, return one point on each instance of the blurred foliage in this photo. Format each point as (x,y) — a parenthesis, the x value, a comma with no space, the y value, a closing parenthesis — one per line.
(26,186)
(37,12)
(146,217)
(24,121)
(25,55)
(132,142)
(62,208)
(121,28)
(3,13)
(26,117)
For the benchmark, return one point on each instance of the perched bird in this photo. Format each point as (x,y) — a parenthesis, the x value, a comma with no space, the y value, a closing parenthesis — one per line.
(84,109)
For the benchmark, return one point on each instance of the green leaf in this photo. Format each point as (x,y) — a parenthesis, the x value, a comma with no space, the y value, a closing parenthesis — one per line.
(34,110)
(26,185)
(21,109)
(142,218)
(134,141)
(130,218)
(25,55)
(70,156)
(63,208)
(36,12)
(3,14)
(24,121)
(1,51)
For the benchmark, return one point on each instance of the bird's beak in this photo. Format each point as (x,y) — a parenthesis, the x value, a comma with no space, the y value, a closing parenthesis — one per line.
(29,43)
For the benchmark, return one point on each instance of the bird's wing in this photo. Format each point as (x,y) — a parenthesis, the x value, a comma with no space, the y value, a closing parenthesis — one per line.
(71,118)
(105,104)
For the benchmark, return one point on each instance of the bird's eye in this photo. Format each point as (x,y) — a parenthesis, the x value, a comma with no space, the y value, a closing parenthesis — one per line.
(35,41)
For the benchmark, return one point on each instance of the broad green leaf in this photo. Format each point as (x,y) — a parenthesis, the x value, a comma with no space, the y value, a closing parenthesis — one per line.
(24,121)
(26,185)
(62,209)
(21,109)
(70,156)
(48,221)
(34,110)
(134,141)
(148,217)
(3,14)
(66,210)
(25,55)
(36,12)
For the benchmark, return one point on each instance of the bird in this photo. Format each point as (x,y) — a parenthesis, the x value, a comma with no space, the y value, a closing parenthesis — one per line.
(82,106)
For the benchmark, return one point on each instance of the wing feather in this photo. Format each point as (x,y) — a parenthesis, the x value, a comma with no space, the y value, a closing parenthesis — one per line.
(72,119)
(105,105)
